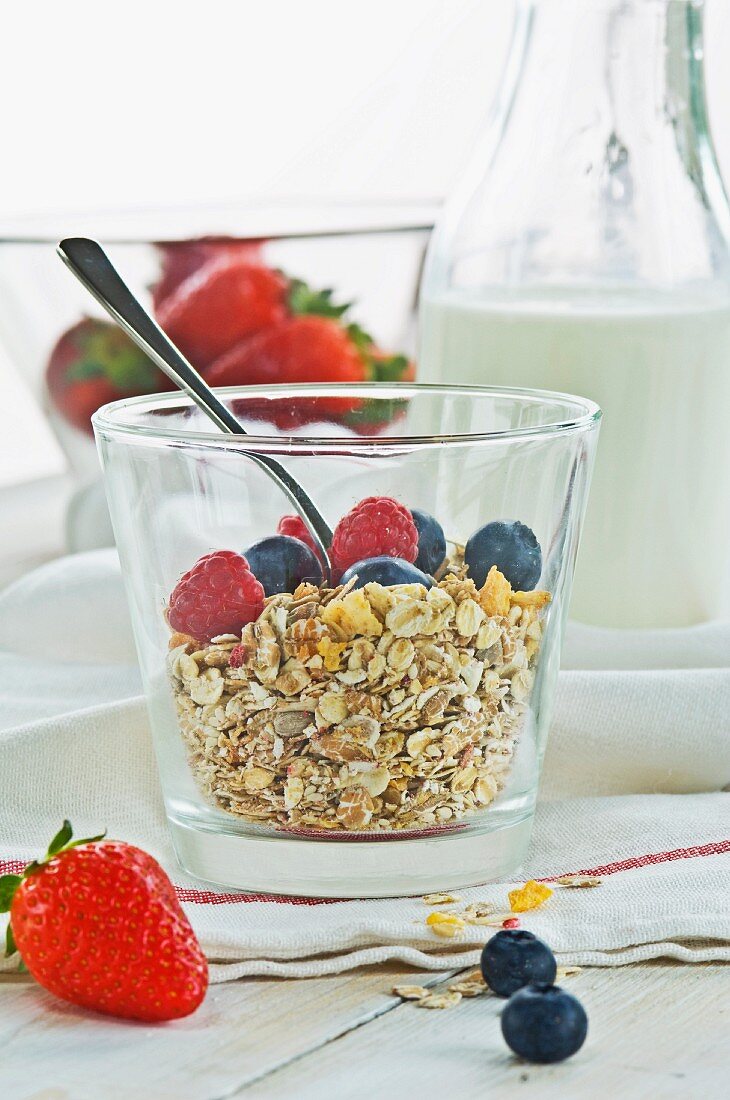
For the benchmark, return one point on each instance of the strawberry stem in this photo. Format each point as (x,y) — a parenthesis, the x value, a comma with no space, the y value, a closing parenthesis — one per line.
(303,299)
(9,884)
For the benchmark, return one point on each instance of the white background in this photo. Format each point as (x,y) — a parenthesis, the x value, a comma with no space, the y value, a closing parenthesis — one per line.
(142,103)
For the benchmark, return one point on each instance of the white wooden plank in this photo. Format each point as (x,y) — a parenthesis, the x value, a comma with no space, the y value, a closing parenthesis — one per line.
(52,1051)
(656,1031)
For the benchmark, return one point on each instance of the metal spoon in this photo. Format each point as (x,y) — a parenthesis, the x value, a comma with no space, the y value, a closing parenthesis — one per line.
(92,267)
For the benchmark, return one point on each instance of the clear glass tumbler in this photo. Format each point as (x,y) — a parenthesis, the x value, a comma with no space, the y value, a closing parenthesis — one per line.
(374,737)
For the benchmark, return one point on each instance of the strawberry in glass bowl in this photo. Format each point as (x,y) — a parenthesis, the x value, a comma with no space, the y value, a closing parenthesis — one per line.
(251,294)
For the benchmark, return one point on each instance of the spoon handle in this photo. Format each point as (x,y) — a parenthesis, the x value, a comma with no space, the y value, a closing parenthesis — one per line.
(90,264)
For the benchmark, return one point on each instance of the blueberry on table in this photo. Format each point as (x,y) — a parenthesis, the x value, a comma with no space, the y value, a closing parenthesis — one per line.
(385,570)
(431,541)
(514,958)
(512,547)
(543,1023)
(281,562)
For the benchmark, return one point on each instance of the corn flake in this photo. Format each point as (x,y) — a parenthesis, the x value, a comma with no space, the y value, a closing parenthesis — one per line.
(352,615)
(331,652)
(530,896)
(496,593)
(447,925)
(536,599)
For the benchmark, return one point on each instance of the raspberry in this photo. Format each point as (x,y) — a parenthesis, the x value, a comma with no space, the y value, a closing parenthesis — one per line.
(237,656)
(295,528)
(219,595)
(375,527)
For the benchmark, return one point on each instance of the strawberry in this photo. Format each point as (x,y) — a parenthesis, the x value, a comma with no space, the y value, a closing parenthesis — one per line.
(181,258)
(224,301)
(300,349)
(370,417)
(95,362)
(97,923)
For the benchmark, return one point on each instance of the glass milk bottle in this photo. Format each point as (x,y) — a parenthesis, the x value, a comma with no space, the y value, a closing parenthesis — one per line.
(586,251)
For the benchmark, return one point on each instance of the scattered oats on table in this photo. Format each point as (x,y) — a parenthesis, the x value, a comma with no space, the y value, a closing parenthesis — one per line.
(439,1000)
(378,708)
(564,972)
(468,989)
(410,992)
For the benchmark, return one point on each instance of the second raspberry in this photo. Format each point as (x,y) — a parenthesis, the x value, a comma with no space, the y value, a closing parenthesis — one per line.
(374,527)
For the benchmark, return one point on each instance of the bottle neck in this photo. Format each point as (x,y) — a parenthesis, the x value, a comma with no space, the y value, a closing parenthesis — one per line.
(598,166)
(624,66)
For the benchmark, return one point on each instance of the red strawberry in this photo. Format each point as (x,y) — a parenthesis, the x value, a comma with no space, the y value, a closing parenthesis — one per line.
(219,595)
(95,362)
(223,302)
(300,349)
(374,527)
(97,923)
(181,258)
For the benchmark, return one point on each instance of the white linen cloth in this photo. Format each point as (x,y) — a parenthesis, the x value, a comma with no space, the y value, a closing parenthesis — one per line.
(633,783)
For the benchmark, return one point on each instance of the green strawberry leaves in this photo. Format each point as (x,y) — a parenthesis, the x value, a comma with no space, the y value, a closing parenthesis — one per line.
(303,299)
(8,885)
(378,367)
(104,351)
(61,838)
(10,947)
(62,842)
(390,369)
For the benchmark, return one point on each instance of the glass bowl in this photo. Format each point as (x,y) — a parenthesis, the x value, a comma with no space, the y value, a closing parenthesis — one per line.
(350,739)
(66,351)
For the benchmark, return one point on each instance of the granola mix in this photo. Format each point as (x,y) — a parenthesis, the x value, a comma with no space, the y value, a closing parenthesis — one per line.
(362,709)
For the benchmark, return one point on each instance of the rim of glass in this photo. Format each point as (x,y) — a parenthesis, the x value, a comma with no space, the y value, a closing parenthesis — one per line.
(107,420)
(281,218)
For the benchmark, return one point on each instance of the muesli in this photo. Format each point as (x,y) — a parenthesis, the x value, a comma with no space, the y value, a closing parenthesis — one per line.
(386,707)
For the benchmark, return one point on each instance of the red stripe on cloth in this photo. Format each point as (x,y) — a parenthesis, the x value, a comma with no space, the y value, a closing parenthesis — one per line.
(195,896)
(12,867)
(207,897)
(715,849)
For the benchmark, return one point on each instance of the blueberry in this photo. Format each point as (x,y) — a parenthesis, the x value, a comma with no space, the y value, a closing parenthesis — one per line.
(509,545)
(281,562)
(385,570)
(514,958)
(431,541)
(543,1023)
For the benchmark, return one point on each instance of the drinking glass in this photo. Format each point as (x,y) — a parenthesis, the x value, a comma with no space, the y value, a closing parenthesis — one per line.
(353,741)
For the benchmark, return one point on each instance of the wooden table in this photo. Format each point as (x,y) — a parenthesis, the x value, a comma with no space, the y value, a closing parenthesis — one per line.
(656,1030)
